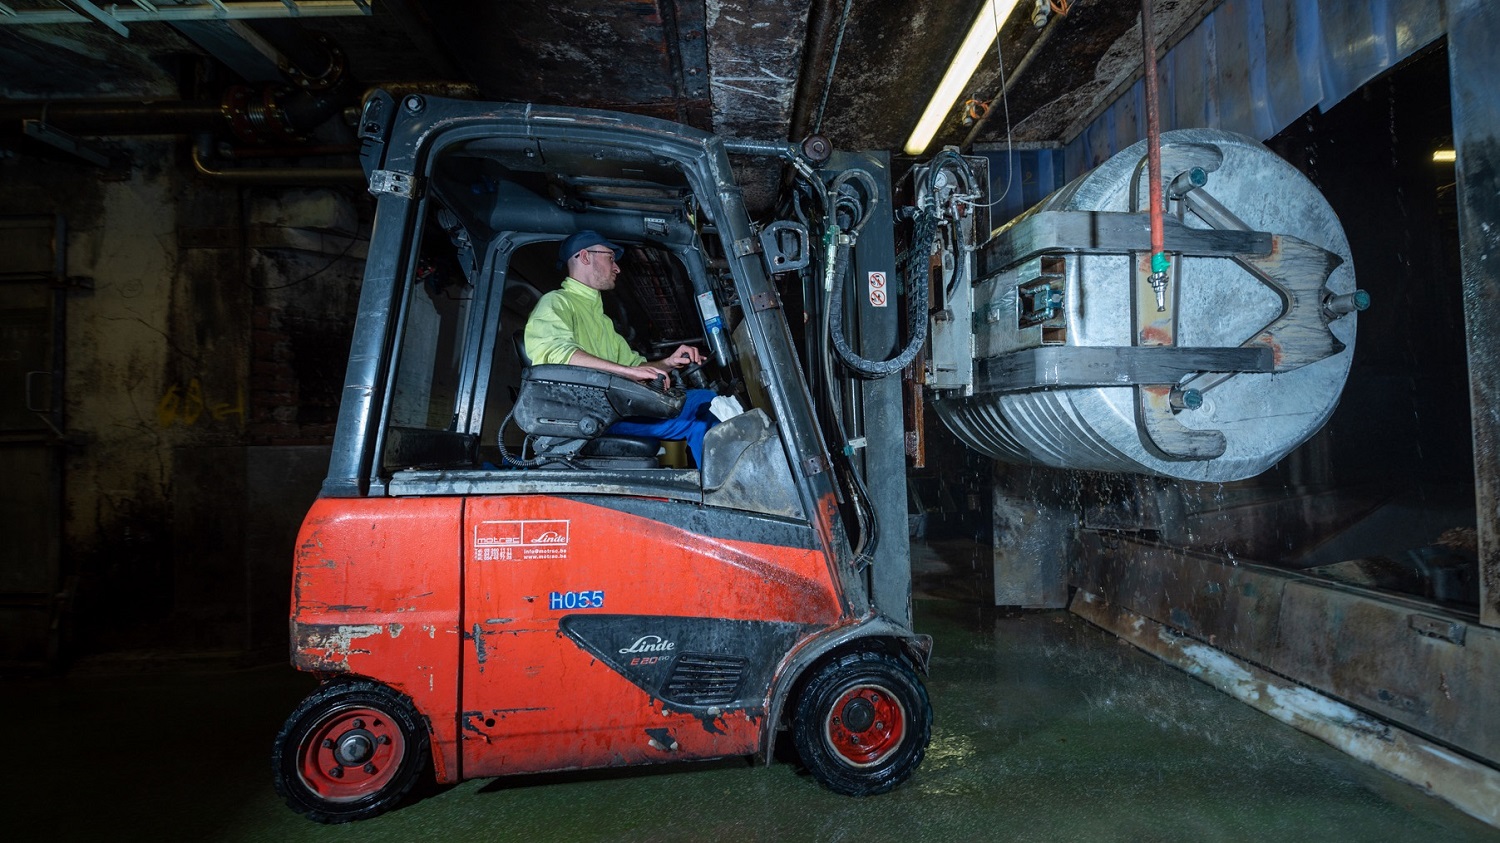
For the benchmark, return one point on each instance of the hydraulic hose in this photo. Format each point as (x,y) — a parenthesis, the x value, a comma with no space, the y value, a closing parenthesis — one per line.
(838,268)
(828,202)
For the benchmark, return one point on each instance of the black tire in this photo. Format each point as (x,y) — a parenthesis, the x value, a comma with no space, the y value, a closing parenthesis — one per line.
(862,724)
(351,750)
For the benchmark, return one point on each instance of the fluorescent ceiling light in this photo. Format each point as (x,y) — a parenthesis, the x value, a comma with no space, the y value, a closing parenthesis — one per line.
(1444,156)
(976,44)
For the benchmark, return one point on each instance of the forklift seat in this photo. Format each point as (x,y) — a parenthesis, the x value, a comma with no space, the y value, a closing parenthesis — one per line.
(567,410)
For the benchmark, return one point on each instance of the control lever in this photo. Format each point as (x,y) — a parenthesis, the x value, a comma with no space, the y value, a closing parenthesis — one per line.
(693,374)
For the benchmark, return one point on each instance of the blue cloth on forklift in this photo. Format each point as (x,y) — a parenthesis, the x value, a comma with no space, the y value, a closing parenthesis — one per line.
(691,423)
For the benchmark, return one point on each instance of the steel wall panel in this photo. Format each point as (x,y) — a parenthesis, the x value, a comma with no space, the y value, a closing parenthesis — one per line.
(1038,173)
(1189,91)
(1293,32)
(1355,46)
(1254,66)
(1130,116)
(1241,93)
(1416,23)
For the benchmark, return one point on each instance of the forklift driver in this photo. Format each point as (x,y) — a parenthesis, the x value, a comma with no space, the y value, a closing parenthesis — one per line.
(568,325)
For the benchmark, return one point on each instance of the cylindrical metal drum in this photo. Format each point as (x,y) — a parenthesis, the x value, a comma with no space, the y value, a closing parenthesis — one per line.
(1220,304)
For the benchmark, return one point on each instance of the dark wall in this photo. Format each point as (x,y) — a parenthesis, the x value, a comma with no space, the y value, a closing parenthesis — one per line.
(1405,412)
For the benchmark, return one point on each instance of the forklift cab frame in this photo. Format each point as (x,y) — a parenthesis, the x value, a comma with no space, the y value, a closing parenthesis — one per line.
(492,618)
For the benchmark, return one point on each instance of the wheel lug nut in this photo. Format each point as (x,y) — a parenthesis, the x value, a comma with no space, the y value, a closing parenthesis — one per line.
(358,724)
(370,768)
(383,739)
(327,743)
(337,772)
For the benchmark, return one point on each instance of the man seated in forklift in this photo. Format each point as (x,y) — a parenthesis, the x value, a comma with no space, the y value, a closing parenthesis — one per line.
(568,325)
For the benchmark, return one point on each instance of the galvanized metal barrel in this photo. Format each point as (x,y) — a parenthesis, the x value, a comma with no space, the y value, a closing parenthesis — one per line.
(1262,415)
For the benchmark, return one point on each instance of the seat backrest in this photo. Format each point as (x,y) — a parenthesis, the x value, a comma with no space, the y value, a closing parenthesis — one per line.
(518,339)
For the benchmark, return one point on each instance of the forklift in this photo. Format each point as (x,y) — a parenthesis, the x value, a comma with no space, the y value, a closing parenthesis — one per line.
(491,583)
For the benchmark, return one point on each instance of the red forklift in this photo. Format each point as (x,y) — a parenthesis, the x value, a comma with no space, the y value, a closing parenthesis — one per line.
(491,583)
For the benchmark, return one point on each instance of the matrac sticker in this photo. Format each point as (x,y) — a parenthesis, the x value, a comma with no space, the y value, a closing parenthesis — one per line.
(499,541)
(877,289)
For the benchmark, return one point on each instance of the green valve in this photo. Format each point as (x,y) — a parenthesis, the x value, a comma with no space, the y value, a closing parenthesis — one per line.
(1160,263)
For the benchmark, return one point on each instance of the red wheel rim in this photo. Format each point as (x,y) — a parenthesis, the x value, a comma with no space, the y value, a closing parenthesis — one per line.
(865,725)
(351,753)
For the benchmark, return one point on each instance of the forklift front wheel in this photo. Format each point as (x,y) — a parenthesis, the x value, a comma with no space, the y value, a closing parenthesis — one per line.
(863,723)
(350,751)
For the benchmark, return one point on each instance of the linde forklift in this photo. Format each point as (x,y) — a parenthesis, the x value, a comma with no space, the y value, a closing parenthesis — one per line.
(491,583)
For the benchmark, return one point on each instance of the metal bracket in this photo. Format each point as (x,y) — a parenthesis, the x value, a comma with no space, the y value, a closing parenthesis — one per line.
(764,301)
(815,465)
(784,244)
(1155,326)
(1298,272)
(746,246)
(55,137)
(1116,232)
(398,184)
(1063,367)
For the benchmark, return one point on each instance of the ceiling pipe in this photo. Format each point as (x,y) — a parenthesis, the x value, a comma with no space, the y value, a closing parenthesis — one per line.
(817,56)
(202,154)
(99,118)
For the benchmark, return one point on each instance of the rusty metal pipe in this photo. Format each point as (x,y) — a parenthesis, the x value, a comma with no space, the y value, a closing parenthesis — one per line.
(119,117)
(273,175)
(238,153)
(1153,128)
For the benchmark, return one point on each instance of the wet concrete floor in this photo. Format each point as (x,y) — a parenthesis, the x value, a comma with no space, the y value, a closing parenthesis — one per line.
(1045,729)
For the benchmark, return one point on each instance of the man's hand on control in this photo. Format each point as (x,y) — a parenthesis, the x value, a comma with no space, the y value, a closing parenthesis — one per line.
(684,355)
(646,372)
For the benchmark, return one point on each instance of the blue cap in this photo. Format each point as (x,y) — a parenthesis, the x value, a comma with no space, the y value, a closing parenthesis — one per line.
(583,240)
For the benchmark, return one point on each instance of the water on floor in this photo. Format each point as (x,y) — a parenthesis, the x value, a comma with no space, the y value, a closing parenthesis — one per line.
(1045,729)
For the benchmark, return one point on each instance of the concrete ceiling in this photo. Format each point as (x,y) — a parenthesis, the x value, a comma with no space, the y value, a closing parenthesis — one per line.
(858,71)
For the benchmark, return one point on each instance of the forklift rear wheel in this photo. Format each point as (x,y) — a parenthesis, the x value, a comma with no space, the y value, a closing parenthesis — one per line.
(862,724)
(350,751)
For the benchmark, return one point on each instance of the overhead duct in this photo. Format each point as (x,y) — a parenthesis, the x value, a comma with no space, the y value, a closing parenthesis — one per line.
(1076,362)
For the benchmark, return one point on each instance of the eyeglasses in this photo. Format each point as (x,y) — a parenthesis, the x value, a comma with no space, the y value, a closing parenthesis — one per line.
(597,252)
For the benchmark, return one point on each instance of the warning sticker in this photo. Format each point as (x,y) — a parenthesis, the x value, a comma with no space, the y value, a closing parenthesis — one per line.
(508,540)
(877,289)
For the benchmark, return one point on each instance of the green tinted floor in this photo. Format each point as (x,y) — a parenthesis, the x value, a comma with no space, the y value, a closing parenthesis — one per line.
(1045,729)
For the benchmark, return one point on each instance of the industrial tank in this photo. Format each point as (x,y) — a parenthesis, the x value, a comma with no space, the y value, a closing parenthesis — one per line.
(1243,359)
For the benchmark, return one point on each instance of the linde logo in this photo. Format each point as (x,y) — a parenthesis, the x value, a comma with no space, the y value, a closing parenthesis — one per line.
(649,644)
(550,537)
